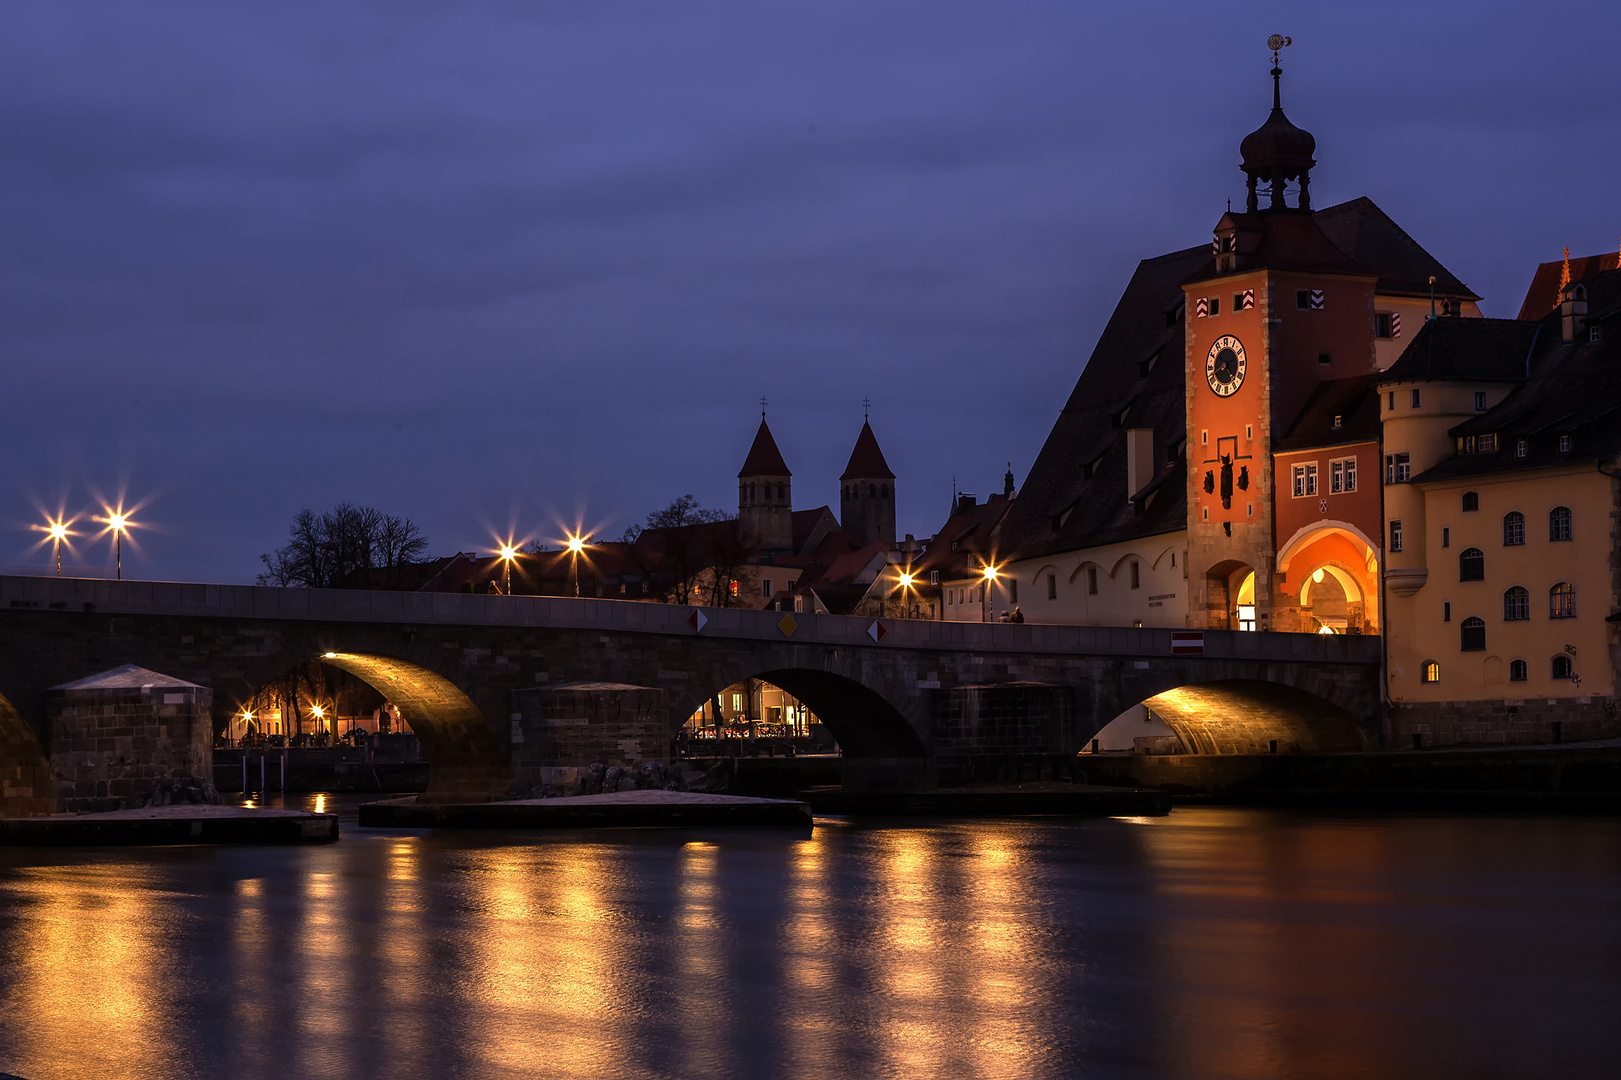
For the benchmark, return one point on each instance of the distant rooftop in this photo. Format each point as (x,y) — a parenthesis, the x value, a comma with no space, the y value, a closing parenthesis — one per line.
(128,677)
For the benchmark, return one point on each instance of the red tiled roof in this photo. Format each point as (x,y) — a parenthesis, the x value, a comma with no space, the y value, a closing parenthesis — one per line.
(866,460)
(1543,295)
(764,458)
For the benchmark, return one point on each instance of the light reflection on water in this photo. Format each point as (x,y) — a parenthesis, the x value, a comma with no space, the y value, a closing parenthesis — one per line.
(1208,944)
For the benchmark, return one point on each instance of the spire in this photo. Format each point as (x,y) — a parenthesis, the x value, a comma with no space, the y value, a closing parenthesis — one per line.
(1277,151)
(764,458)
(1007,481)
(866,460)
(1564,272)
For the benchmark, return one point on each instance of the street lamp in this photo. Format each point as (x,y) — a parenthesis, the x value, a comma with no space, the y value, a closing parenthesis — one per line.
(991,574)
(508,553)
(118,523)
(576,544)
(58,532)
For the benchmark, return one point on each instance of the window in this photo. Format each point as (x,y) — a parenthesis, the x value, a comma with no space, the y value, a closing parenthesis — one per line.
(1342,474)
(1517,604)
(737,702)
(1487,444)
(1417,399)
(1472,635)
(1472,565)
(1381,325)
(1013,590)
(1398,468)
(1471,501)
(1467,445)
(1135,575)
(1564,444)
(1238,301)
(733,588)
(1092,580)
(1446,537)
(1325,358)
(1517,671)
(1592,333)
(765,587)
(872,489)
(1338,420)
(1562,601)
(1446,611)
(1052,586)
(1303,299)
(1391,405)
(1480,401)
(1431,672)
(1305,480)
(883,491)
(1521,448)
(1559,523)
(934,578)
(1395,534)
(1513,529)
(1563,668)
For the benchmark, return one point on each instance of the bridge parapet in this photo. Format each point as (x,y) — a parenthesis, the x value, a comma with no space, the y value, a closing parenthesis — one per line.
(566,613)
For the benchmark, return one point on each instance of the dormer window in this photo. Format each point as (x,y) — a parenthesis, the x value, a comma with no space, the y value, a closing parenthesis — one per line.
(1521,448)
(1487,444)
(1338,420)
(1564,444)
(1592,334)
(1480,401)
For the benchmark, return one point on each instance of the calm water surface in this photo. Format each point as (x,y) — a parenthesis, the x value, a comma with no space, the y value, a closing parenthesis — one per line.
(1212,943)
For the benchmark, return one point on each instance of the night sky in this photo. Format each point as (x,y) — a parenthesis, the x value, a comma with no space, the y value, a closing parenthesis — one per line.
(517,266)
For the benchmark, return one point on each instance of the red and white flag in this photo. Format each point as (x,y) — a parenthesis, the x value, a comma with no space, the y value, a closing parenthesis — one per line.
(1187,642)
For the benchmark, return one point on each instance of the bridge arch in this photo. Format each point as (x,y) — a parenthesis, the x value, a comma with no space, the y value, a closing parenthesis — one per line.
(25,773)
(467,758)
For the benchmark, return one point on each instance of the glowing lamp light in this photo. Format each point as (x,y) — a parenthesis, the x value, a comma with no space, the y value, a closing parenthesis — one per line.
(1317,575)
(509,553)
(992,573)
(318,711)
(329,656)
(58,531)
(576,544)
(907,579)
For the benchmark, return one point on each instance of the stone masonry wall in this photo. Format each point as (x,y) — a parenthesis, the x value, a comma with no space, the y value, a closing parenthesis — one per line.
(572,725)
(109,748)
(1503,723)
(984,733)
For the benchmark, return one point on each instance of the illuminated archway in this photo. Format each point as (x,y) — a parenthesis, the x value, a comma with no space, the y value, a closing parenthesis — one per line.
(1244,716)
(26,789)
(858,716)
(1328,548)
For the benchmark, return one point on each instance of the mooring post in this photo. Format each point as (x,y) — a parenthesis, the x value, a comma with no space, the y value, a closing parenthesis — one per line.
(244,774)
(263,788)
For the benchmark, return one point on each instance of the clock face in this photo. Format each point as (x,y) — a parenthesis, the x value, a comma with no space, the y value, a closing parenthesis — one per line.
(1224,365)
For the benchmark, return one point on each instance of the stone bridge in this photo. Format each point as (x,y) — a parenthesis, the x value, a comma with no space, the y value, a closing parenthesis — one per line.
(500,689)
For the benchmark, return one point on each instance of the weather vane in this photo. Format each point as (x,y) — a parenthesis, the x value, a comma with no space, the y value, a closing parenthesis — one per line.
(1277,42)
(762,406)
(866,408)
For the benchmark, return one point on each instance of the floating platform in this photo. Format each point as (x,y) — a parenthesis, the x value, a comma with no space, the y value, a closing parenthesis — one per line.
(995,800)
(626,809)
(171,825)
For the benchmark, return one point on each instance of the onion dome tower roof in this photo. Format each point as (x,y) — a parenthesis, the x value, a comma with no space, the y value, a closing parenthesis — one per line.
(1278,151)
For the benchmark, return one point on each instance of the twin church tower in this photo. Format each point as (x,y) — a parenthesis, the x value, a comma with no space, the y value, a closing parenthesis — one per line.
(765,495)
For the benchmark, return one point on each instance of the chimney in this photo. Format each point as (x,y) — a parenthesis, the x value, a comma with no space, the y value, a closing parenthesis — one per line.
(1139,459)
(1572,311)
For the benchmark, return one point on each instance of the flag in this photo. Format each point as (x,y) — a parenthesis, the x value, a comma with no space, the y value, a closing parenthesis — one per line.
(1249,299)
(1395,324)
(1201,307)
(1317,299)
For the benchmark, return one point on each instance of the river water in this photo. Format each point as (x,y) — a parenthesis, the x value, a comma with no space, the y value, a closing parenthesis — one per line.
(1210,943)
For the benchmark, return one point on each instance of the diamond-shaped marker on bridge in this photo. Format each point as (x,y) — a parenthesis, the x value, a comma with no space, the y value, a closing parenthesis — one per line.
(876,631)
(697,621)
(787,626)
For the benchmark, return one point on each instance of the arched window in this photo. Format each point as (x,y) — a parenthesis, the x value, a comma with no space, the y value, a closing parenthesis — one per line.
(1431,672)
(782,492)
(1513,529)
(883,490)
(1517,604)
(1472,635)
(872,491)
(1562,667)
(1559,523)
(1562,601)
(1472,565)
(1517,671)
(1471,501)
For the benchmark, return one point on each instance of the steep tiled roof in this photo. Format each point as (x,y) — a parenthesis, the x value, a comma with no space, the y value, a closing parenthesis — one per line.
(1543,295)
(866,460)
(1352,402)
(764,458)
(1468,350)
(1377,244)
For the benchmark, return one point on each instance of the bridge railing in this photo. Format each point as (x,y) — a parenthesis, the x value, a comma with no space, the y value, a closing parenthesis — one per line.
(79,596)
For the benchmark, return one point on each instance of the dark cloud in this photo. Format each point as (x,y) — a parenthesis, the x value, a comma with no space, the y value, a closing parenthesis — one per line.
(536,262)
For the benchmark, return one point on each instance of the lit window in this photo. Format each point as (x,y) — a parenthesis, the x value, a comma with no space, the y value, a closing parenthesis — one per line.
(1398,468)
(1559,523)
(733,588)
(1513,529)
(1517,671)
(1487,444)
(934,578)
(1472,635)
(1472,565)
(1563,668)
(1342,474)
(1431,673)
(1562,601)
(1517,604)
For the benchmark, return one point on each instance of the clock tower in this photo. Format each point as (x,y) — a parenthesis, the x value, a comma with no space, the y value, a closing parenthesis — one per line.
(1277,311)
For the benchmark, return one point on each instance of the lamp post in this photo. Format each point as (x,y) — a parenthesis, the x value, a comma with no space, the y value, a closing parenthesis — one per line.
(58,531)
(991,573)
(119,524)
(508,553)
(576,544)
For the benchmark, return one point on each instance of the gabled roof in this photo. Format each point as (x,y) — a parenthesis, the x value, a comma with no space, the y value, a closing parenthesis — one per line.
(866,460)
(1466,350)
(764,458)
(1368,236)
(1543,295)
(1354,402)
(1289,240)
(128,677)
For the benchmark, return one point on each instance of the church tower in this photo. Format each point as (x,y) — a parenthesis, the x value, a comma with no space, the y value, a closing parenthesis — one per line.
(765,497)
(1277,311)
(867,492)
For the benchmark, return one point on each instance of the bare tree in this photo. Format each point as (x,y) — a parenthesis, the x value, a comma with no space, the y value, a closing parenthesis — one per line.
(678,546)
(343,546)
